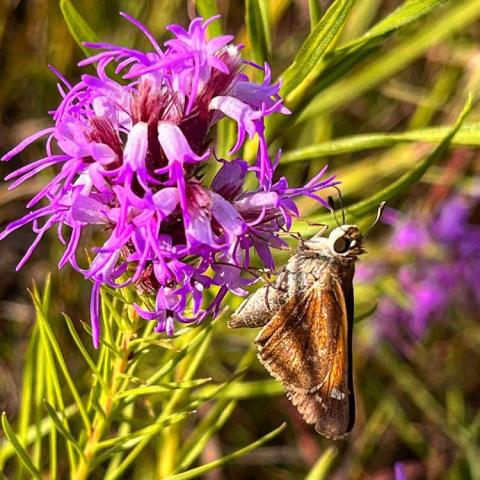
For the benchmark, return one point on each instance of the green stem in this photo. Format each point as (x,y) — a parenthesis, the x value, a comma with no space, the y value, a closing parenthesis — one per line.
(102,418)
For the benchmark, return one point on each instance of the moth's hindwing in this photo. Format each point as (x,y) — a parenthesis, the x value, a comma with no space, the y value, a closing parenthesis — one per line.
(307,346)
(258,309)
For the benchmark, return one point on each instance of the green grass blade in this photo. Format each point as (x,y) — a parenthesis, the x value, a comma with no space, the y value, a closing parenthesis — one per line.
(408,12)
(316,45)
(165,388)
(78,27)
(323,465)
(61,428)
(424,399)
(213,421)
(258,29)
(315,12)
(242,390)
(462,14)
(48,381)
(195,472)
(43,428)
(131,439)
(467,135)
(47,293)
(22,454)
(196,349)
(414,175)
(170,364)
(61,363)
(83,351)
(28,391)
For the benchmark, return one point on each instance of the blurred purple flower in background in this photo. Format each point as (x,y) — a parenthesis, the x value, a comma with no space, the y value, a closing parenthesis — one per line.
(436,265)
(131,146)
(399,471)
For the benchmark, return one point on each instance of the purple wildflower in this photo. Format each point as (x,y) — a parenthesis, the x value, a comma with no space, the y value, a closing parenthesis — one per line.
(399,471)
(130,148)
(435,265)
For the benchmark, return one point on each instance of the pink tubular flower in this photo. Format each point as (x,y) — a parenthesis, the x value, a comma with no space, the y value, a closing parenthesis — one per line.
(130,149)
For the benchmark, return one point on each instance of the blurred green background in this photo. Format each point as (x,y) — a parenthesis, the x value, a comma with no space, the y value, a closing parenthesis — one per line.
(420,408)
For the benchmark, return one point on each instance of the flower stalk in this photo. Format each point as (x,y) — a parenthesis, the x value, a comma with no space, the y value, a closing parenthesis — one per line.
(107,403)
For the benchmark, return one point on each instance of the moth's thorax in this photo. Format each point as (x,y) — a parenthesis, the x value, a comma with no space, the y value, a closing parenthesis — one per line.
(303,270)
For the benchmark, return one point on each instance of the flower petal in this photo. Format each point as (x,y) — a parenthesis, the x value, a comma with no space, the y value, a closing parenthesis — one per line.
(87,210)
(227,215)
(175,145)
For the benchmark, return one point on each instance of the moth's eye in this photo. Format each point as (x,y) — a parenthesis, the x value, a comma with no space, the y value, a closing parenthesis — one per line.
(341,245)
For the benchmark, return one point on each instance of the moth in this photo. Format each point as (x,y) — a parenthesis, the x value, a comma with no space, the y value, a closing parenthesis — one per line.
(307,319)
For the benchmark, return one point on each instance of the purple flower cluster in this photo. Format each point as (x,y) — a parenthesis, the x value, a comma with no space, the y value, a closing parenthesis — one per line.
(131,143)
(436,265)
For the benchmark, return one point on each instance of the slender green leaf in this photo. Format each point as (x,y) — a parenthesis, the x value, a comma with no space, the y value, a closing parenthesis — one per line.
(195,472)
(366,313)
(112,310)
(111,348)
(163,388)
(39,394)
(78,27)
(411,177)
(131,439)
(194,353)
(315,12)
(208,9)
(22,454)
(242,390)
(258,29)
(213,421)
(408,12)
(28,383)
(217,392)
(321,469)
(468,135)
(83,351)
(54,395)
(47,293)
(61,428)
(43,428)
(170,364)
(48,377)
(424,399)
(462,14)
(61,362)
(316,45)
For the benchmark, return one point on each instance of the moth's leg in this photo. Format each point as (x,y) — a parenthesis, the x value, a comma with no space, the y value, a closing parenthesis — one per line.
(258,308)
(322,230)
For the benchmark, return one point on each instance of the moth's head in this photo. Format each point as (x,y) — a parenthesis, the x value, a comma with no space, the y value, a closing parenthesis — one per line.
(343,241)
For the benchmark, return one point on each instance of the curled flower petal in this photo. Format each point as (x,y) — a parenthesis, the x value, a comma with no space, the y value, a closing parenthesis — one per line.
(176,146)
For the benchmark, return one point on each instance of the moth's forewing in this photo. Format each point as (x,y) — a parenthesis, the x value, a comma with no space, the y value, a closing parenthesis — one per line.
(258,309)
(306,346)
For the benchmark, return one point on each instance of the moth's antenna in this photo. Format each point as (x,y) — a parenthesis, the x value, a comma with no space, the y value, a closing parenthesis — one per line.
(340,199)
(381,207)
(331,204)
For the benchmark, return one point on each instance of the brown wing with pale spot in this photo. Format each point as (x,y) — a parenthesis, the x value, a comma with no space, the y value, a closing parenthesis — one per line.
(307,346)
